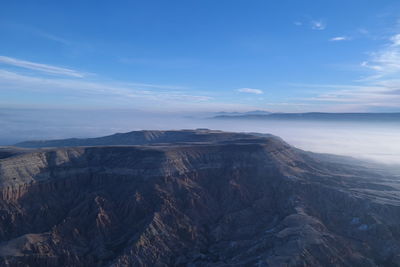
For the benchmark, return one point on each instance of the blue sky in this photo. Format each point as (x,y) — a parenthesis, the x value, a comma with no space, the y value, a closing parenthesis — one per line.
(191,56)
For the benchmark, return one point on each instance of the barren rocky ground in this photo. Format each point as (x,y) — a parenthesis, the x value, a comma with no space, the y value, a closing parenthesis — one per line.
(193,198)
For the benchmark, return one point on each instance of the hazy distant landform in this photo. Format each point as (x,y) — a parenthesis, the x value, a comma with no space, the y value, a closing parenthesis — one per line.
(322,116)
(193,198)
(375,140)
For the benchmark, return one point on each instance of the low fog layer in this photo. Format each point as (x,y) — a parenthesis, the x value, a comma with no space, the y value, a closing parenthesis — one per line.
(376,141)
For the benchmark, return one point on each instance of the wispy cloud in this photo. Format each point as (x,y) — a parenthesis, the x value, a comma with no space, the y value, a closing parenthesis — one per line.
(385,61)
(339,38)
(366,96)
(381,94)
(313,23)
(318,25)
(40,67)
(250,91)
(168,63)
(64,90)
(52,37)
(379,91)
(37,32)
(113,93)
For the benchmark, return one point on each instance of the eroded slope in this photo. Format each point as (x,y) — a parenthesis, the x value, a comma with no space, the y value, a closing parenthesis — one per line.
(244,202)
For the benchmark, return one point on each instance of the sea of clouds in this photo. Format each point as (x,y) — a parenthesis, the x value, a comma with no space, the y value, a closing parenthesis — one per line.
(374,141)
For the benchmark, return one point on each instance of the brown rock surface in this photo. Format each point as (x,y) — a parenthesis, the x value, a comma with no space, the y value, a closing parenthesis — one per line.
(237,200)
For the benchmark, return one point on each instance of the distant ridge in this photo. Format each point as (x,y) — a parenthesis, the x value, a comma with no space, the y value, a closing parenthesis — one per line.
(143,138)
(386,117)
(253,112)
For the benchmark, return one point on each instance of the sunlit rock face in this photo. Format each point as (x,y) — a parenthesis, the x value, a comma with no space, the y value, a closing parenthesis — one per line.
(196,198)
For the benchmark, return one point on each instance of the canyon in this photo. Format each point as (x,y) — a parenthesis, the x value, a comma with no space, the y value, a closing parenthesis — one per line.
(193,198)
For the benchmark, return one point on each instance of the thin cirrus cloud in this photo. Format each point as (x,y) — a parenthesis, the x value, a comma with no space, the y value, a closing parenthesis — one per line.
(348,98)
(379,94)
(318,25)
(52,37)
(379,90)
(146,97)
(36,32)
(15,81)
(339,38)
(49,69)
(314,24)
(64,89)
(386,61)
(250,91)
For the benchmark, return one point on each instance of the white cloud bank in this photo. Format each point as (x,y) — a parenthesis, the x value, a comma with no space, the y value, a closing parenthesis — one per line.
(375,141)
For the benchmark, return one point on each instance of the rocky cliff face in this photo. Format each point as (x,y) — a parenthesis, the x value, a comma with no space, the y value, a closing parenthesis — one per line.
(240,201)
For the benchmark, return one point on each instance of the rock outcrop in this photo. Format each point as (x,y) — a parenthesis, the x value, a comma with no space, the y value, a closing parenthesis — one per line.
(224,199)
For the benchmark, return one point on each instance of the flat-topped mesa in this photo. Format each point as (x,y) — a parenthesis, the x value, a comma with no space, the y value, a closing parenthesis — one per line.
(161,152)
(166,159)
(192,197)
(143,138)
